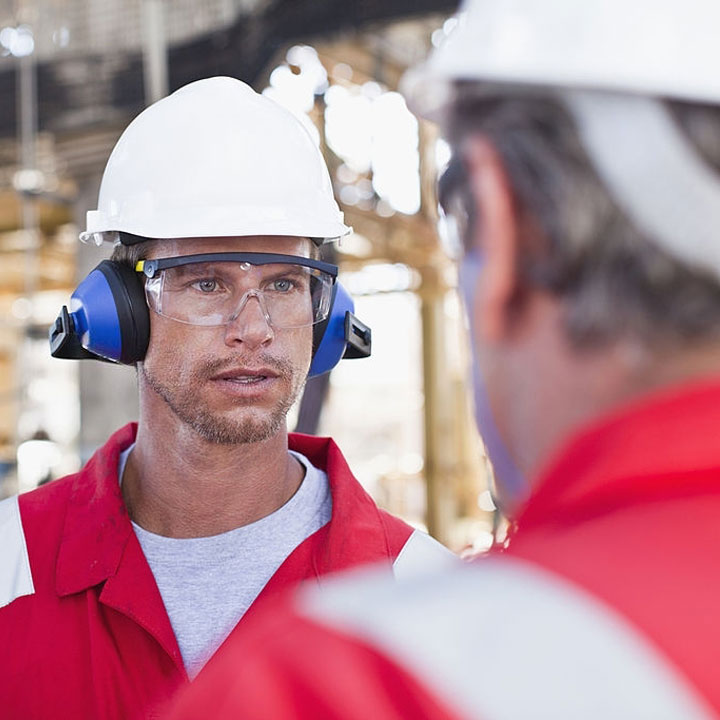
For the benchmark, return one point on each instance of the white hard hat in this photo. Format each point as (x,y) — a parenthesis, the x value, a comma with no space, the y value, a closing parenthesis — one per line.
(215,159)
(653,47)
(608,61)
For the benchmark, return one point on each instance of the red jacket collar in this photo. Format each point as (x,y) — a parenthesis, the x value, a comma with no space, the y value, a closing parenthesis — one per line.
(634,455)
(97,527)
(98,543)
(356,533)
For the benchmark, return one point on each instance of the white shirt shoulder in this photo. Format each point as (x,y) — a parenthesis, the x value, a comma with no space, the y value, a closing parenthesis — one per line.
(15,575)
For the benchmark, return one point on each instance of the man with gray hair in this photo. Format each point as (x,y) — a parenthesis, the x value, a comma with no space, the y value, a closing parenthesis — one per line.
(583,203)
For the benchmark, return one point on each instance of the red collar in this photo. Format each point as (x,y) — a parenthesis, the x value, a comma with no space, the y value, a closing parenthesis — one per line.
(97,528)
(633,455)
(99,546)
(356,533)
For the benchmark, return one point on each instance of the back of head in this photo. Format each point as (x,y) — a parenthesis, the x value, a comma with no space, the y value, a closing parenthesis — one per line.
(606,116)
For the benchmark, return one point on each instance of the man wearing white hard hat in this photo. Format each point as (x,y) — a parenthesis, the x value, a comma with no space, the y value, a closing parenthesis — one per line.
(583,204)
(118,584)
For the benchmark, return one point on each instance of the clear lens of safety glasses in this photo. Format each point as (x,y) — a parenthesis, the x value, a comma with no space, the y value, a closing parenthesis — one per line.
(214,292)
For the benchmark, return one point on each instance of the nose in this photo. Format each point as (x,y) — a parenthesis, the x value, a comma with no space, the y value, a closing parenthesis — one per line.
(250,325)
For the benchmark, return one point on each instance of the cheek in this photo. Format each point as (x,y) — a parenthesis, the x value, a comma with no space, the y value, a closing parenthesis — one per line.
(487,355)
(301,347)
(492,372)
(293,346)
(501,386)
(172,345)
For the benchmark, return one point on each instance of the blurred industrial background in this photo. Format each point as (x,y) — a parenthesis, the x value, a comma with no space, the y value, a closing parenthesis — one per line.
(72,75)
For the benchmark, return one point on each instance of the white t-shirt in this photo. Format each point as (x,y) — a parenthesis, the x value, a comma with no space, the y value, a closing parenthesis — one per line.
(208,583)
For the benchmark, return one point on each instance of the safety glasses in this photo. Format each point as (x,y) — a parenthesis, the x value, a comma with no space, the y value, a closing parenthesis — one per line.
(212,289)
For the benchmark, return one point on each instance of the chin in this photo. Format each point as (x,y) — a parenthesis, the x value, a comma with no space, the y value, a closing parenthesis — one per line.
(250,427)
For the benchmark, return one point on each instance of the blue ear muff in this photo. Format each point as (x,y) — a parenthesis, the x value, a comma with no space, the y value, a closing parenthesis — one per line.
(341,335)
(108,318)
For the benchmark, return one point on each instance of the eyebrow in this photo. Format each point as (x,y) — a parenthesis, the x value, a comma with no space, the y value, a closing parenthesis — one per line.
(197,269)
(288,270)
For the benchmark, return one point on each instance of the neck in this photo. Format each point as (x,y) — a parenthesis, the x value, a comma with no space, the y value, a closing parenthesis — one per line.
(566,390)
(178,484)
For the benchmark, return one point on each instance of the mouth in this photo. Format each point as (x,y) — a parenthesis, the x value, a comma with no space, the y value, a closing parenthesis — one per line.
(245,377)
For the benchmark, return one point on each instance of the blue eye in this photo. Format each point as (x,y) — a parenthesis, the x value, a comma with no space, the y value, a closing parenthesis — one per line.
(207,285)
(283,285)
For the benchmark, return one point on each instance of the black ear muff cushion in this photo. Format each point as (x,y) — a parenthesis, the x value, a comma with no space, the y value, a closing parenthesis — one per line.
(132,311)
(321,327)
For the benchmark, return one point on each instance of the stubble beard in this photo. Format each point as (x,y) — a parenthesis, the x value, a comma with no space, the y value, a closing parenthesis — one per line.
(182,398)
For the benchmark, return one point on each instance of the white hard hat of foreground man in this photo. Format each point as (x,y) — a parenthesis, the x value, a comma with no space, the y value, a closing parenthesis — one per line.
(584,200)
(123,580)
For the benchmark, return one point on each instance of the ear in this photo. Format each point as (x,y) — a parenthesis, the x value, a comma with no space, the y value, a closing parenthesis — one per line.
(495,238)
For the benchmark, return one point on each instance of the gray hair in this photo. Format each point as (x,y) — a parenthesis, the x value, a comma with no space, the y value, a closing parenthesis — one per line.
(577,243)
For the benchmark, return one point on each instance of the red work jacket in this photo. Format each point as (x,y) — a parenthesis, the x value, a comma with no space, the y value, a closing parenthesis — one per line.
(606,603)
(83,629)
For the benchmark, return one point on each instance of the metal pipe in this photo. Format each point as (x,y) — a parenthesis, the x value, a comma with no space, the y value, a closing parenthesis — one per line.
(27,123)
(155,67)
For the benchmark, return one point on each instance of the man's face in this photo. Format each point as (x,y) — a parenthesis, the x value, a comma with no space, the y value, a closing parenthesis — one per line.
(233,383)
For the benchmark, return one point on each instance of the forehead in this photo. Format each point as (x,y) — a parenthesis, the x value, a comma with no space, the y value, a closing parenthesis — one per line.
(256,243)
